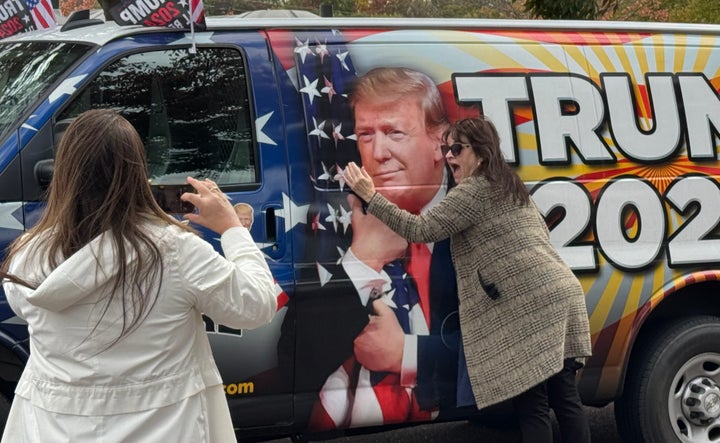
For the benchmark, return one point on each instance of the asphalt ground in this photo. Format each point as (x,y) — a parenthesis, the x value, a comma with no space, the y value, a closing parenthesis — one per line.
(602,430)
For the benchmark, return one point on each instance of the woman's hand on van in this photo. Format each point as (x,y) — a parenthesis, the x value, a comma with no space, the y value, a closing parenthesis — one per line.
(360,181)
(215,211)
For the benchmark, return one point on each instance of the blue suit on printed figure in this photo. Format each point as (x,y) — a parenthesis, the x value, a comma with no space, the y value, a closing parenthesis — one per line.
(335,389)
(337,380)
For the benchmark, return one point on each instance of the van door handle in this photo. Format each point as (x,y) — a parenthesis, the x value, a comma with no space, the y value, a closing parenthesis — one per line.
(271,226)
(274,241)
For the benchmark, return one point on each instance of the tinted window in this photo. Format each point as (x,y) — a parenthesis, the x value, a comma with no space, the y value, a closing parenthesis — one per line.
(27,70)
(192,112)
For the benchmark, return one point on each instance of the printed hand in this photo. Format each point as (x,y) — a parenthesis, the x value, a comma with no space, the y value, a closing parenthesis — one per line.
(379,347)
(373,242)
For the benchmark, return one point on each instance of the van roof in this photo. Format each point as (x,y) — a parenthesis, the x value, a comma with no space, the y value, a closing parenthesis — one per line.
(103,31)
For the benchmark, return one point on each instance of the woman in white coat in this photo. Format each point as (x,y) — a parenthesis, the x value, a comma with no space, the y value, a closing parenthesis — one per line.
(113,291)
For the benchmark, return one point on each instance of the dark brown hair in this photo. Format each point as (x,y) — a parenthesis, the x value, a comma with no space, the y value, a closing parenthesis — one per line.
(100,184)
(481,134)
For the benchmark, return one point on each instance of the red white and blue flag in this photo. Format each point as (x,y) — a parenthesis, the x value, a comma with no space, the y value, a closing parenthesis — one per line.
(25,15)
(180,14)
(352,395)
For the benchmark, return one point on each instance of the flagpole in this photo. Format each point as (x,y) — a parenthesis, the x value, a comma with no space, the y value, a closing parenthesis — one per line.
(193,49)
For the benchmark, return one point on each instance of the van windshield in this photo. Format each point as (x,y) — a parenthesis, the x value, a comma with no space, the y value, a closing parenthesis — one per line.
(27,70)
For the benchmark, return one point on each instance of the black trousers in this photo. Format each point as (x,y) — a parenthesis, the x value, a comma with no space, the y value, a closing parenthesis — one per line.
(559,393)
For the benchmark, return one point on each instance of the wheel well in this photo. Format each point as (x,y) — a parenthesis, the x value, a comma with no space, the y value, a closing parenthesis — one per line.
(690,301)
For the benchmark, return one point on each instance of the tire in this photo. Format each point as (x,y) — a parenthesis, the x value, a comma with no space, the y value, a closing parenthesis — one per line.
(672,390)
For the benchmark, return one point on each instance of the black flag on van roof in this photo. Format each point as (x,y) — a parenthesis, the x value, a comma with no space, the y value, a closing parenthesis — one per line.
(25,15)
(180,14)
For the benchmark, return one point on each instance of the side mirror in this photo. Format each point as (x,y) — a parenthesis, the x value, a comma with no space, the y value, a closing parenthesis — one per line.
(43,172)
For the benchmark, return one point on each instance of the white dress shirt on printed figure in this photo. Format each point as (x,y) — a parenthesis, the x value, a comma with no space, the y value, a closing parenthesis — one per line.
(159,383)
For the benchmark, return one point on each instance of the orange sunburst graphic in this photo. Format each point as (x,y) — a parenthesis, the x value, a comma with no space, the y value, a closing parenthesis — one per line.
(573,38)
(660,176)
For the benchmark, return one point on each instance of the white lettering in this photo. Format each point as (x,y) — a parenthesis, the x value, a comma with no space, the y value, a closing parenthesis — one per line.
(643,144)
(9,8)
(495,95)
(557,129)
(137,11)
(702,115)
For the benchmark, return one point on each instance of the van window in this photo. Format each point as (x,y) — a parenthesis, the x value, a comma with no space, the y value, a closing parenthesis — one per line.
(27,70)
(192,112)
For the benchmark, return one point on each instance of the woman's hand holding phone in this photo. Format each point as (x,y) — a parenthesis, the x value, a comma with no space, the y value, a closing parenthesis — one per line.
(215,211)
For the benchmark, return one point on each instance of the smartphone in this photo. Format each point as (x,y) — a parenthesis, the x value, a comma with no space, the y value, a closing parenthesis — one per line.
(168,198)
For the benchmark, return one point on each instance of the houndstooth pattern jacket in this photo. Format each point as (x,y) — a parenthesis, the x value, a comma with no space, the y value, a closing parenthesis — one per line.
(522,310)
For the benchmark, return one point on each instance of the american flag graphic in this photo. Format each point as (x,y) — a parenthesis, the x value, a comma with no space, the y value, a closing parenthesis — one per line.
(353,395)
(42,13)
(197,12)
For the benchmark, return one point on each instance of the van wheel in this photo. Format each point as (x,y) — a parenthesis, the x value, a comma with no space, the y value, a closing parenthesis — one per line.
(672,390)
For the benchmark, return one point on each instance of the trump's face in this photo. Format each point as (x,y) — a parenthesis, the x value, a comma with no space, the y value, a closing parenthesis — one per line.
(403,159)
(245,216)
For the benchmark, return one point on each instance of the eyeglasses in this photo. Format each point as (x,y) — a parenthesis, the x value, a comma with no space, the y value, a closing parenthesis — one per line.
(455,148)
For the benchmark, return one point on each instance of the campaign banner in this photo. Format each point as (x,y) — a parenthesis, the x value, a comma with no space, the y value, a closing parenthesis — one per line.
(25,15)
(164,13)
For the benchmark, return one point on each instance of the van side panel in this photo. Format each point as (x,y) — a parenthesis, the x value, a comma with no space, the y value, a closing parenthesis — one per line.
(615,134)
(594,123)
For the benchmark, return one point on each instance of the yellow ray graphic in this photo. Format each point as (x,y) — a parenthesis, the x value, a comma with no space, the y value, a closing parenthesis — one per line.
(577,53)
(599,316)
(680,51)
(707,44)
(658,43)
(547,57)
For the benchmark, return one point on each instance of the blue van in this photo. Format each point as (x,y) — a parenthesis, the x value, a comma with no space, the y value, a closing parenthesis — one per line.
(614,127)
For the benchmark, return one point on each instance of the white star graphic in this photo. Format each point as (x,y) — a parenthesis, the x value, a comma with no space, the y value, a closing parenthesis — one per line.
(183,3)
(324,274)
(278,289)
(68,86)
(316,225)
(328,89)
(340,176)
(342,254)
(337,135)
(332,217)
(26,19)
(342,56)
(292,75)
(26,126)
(14,320)
(387,299)
(302,48)
(326,173)
(297,214)
(310,89)
(260,245)
(321,50)
(344,218)
(259,125)
(319,129)
(8,220)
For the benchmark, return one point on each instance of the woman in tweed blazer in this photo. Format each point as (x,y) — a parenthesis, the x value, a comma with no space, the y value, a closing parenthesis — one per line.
(522,311)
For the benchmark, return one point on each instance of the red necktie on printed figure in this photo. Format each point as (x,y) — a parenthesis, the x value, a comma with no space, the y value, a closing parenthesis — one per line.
(419,269)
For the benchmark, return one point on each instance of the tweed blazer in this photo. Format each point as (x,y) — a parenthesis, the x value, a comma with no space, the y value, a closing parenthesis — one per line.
(522,311)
